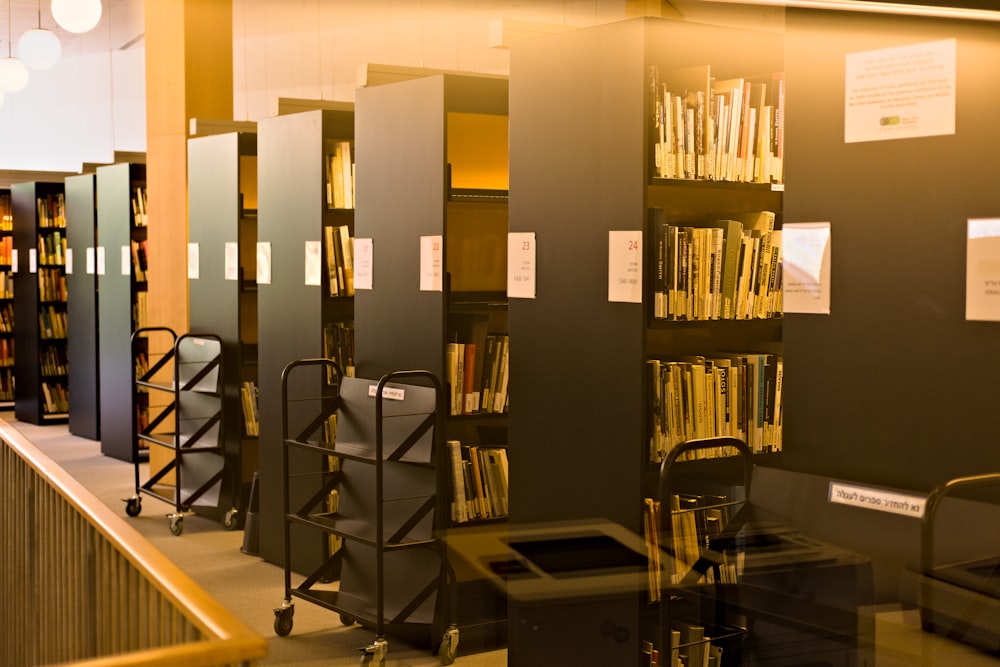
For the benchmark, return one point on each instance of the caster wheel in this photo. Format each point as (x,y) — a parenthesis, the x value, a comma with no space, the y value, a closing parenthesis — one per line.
(346,619)
(283,621)
(177,525)
(448,648)
(133,506)
(231,520)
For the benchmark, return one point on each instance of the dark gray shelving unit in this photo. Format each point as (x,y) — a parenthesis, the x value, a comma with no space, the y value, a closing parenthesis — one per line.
(408,135)
(582,165)
(292,215)
(222,230)
(6,302)
(121,288)
(40,360)
(82,310)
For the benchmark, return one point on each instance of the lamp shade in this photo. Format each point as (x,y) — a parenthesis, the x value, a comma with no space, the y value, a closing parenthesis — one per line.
(39,48)
(76,15)
(13,75)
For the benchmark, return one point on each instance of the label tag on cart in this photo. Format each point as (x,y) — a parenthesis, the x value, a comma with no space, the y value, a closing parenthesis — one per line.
(388,393)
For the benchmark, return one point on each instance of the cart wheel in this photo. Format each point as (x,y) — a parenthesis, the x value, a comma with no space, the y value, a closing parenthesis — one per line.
(449,646)
(231,520)
(374,654)
(283,621)
(133,506)
(346,619)
(177,525)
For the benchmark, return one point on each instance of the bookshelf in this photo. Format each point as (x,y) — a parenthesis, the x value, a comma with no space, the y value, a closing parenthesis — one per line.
(296,304)
(121,285)
(583,169)
(222,287)
(82,310)
(40,361)
(435,152)
(6,302)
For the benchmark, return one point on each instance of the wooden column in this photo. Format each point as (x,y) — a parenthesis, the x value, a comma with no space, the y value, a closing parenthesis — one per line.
(189,73)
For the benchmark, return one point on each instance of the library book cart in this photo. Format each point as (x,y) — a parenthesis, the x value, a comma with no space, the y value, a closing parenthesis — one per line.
(177,406)
(380,448)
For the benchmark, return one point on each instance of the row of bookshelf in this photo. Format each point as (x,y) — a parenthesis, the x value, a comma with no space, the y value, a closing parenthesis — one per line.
(463,364)
(6,315)
(479,477)
(139,262)
(735,395)
(339,260)
(338,345)
(51,284)
(51,211)
(6,250)
(722,130)
(251,413)
(724,269)
(6,213)
(52,248)
(52,323)
(56,397)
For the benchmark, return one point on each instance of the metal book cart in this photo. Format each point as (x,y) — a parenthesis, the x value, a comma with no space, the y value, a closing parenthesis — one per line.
(961,598)
(177,406)
(378,493)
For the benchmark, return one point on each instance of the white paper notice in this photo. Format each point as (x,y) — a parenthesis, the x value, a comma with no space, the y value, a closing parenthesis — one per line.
(364,264)
(805,269)
(69,261)
(32,260)
(232,261)
(194,261)
(13,260)
(625,266)
(100,260)
(431,257)
(313,263)
(263,263)
(126,255)
(521,265)
(902,92)
(91,261)
(982,267)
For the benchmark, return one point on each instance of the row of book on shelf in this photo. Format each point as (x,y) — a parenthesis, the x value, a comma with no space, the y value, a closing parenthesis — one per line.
(51,284)
(140,309)
(340,176)
(6,250)
(338,345)
(6,352)
(709,128)
(140,263)
(251,413)
(51,211)
(721,269)
(6,385)
(139,215)
(479,477)
(339,260)
(478,379)
(56,397)
(735,395)
(53,361)
(52,249)
(7,318)
(52,323)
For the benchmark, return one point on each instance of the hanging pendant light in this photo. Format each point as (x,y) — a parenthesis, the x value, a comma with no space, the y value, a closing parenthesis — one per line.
(76,15)
(13,73)
(39,48)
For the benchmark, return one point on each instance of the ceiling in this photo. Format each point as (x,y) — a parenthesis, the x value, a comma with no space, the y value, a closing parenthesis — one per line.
(121,25)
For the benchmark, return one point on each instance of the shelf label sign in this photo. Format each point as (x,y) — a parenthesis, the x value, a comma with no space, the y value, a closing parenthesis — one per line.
(982,270)
(881,500)
(431,261)
(194,261)
(32,260)
(127,260)
(521,265)
(313,263)
(13,260)
(625,266)
(100,260)
(388,393)
(263,262)
(364,262)
(91,261)
(231,261)
(805,267)
(900,92)
(68,261)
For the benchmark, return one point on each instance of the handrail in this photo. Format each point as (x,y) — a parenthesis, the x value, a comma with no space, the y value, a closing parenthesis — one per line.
(215,636)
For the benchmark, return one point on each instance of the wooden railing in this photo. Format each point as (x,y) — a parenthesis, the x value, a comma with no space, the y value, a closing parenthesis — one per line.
(81,586)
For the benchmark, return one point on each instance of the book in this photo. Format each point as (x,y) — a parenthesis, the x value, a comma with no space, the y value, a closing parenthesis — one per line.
(347,258)
(459,508)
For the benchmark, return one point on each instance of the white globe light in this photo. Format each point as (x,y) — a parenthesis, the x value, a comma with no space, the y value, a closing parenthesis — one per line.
(76,15)
(13,75)
(39,48)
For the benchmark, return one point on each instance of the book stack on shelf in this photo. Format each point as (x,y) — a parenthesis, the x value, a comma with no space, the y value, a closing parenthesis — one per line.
(52,292)
(251,419)
(478,482)
(478,384)
(6,300)
(340,176)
